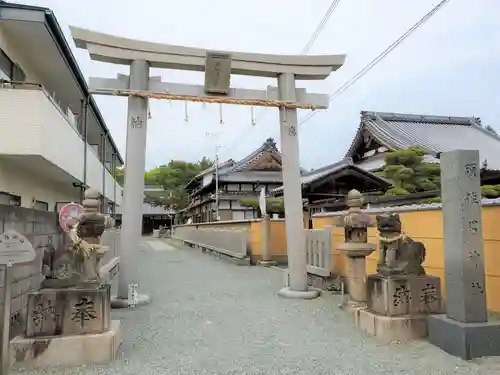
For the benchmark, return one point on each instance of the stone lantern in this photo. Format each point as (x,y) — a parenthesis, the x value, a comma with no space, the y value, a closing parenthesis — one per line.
(356,248)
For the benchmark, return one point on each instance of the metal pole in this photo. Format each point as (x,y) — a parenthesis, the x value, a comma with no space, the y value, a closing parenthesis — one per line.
(103,160)
(82,110)
(217,182)
(85,146)
(113,166)
(7,292)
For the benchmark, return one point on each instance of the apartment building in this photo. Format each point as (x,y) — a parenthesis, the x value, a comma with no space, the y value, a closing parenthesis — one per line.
(53,139)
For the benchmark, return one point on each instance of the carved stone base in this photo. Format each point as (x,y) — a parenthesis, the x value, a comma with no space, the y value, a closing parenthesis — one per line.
(404,295)
(67,350)
(392,328)
(464,340)
(73,311)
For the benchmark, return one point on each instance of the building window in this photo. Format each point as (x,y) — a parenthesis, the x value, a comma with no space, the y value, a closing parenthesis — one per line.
(18,74)
(249,215)
(60,205)
(40,205)
(10,199)
(6,66)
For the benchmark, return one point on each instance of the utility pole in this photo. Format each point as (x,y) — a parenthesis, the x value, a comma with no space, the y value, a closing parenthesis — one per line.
(217,181)
(217,147)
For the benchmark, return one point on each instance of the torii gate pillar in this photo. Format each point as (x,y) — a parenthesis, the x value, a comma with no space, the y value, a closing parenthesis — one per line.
(135,165)
(292,193)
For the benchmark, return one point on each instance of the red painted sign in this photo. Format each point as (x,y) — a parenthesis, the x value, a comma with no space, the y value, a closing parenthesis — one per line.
(69,212)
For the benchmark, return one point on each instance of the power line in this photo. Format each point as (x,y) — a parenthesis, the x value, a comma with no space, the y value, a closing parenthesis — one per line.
(305,51)
(312,39)
(320,27)
(377,59)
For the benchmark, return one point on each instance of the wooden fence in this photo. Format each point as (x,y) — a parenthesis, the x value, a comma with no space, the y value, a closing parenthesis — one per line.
(110,263)
(318,251)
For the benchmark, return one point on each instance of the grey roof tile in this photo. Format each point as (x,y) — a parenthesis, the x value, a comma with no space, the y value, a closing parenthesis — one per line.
(268,145)
(229,167)
(434,133)
(314,175)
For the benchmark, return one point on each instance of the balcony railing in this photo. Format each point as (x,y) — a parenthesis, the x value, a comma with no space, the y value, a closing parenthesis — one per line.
(43,142)
(36,86)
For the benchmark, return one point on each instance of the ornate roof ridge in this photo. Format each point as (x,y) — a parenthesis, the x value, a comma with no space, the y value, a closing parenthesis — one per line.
(268,145)
(434,119)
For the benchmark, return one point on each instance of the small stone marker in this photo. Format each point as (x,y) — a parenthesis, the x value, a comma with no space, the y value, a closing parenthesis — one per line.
(464,331)
(132,295)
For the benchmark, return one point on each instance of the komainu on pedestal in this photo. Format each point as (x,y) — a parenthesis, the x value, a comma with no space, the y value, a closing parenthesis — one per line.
(400,295)
(399,254)
(72,309)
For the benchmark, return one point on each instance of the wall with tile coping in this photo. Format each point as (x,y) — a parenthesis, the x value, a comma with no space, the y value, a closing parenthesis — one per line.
(424,223)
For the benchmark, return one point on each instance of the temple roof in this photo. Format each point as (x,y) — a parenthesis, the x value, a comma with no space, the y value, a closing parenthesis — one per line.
(260,162)
(268,147)
(434,133)
(317,174)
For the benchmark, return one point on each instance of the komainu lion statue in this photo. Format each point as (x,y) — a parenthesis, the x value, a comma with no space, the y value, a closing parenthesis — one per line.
(399,254)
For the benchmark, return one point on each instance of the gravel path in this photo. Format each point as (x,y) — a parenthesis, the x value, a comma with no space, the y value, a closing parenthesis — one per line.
(211,317)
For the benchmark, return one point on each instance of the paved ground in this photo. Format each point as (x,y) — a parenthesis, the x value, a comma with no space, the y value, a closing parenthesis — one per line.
(212,317)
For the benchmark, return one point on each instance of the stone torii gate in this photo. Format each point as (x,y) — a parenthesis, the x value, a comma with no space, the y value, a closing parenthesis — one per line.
(218,66)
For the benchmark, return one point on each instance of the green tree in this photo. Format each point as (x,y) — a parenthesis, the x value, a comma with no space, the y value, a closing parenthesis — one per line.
(120,176)
(173,177)
(408,173)
(273,205)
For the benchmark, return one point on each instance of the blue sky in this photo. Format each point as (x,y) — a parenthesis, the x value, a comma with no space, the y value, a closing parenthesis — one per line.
(450,66)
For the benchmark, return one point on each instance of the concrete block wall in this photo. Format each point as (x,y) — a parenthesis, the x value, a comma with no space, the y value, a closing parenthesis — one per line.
(42,230)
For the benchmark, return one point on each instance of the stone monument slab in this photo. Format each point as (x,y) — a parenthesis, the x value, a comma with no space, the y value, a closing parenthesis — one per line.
(464,331)
(72,311)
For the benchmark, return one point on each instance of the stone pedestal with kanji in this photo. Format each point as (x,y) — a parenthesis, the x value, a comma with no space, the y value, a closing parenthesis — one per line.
(400,296)
(67,327)
(68,319)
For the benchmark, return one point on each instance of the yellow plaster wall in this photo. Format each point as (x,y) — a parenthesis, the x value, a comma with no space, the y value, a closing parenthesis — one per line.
(426,227)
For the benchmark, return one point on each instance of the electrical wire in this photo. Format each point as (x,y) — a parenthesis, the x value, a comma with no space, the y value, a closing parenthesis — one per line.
(377,59)
(312,39)
(320,27)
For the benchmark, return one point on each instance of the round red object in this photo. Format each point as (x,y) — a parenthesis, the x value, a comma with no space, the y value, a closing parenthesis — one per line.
(69,212)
